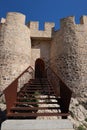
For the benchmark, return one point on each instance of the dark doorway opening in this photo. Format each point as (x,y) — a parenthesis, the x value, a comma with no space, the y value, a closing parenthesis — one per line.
(39,68)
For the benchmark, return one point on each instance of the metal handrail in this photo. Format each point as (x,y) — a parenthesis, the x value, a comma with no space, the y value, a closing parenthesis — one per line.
(58,77)
(61,90)
(11,91)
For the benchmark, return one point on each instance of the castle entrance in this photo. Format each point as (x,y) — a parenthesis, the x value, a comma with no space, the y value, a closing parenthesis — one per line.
(39,68)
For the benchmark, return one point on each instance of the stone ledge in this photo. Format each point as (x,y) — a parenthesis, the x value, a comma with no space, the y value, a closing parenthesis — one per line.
(37,125)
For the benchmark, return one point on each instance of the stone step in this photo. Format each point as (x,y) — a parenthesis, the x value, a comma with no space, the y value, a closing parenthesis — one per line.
(34,115)
(33,108)
(60,124)
(31,103)
(33,91)
(39,98)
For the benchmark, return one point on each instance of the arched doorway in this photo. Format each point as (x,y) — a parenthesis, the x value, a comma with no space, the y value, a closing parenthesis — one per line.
(39,68)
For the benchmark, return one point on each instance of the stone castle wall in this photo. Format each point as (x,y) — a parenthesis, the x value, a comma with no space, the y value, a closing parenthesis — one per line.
(65,49)
(40,41)
(40,49)
(69,47)
(15,47)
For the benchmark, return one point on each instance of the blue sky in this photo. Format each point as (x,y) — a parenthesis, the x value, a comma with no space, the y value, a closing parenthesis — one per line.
(45,10)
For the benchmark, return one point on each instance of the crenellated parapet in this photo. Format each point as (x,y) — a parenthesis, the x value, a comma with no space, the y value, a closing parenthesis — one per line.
(35,33)
(70,21)
(42,34)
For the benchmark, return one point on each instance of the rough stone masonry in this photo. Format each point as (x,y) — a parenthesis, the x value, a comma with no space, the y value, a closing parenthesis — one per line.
(65,50)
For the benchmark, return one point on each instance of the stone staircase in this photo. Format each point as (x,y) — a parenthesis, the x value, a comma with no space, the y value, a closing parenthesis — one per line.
(41,104)
(37,98)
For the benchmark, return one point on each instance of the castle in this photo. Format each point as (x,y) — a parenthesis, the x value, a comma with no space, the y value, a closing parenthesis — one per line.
(65,50)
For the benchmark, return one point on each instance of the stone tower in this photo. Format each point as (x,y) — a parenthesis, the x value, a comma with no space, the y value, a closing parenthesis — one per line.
(65,50)
(15,48)
(69,52)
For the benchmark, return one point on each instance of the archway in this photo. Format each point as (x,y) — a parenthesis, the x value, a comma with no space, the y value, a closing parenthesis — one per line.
(39,68)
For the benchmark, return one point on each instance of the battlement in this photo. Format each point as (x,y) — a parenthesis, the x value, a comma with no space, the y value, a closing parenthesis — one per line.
(18,18)
(47,32)
(35,25)
(36,33)
(71,21)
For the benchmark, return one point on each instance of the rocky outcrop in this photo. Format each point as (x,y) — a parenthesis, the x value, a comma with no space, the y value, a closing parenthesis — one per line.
(78,111)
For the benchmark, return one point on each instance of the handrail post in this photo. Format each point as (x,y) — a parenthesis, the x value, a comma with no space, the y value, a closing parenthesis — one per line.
(11,94)
(65,94)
